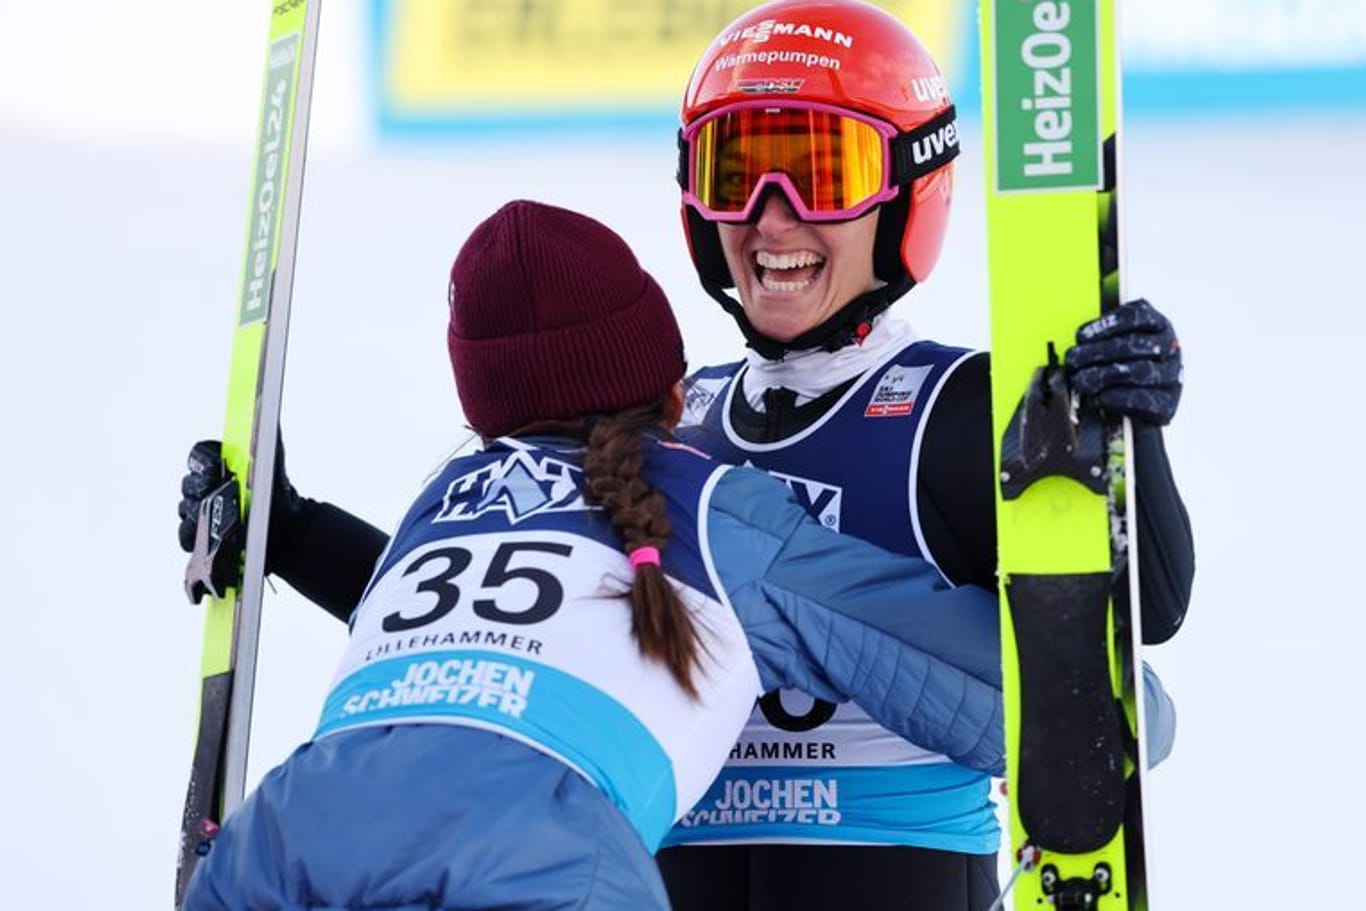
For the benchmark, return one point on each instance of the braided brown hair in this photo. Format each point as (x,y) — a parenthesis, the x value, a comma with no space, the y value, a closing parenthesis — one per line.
(660,621)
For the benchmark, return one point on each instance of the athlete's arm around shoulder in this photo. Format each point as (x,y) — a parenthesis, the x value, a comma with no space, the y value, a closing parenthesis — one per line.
(955,494)
(843,619)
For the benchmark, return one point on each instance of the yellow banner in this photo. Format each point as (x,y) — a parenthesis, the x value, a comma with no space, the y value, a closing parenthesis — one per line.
(447,59)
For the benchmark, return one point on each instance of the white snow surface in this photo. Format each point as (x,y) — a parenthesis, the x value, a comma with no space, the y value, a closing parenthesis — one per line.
(122,250)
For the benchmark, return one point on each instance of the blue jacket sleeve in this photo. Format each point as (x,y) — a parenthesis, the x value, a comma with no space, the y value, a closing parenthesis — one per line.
(1160,715)
(842,619)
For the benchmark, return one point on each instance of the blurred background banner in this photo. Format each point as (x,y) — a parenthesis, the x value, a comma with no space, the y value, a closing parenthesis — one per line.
(442,66)
(445,65)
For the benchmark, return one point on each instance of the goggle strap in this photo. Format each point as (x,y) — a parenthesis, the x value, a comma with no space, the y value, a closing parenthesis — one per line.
(925,149)
(682,174)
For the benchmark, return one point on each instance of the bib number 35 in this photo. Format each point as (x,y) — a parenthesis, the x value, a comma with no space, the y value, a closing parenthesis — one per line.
(439,572)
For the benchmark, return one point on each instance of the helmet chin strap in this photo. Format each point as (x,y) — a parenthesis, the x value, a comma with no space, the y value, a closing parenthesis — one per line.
(846,326)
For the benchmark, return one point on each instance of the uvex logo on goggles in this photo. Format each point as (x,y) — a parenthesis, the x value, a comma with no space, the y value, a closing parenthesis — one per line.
(833,165)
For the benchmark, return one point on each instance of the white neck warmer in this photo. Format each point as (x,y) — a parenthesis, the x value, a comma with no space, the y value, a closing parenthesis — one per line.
(814,372)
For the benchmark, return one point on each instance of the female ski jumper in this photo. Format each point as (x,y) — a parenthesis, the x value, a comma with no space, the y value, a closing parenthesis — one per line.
(493,738)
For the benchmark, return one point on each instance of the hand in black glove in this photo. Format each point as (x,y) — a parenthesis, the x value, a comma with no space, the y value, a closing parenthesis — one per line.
(211,529)
(219,566)
(206,471)
(325,554)
(1129,362)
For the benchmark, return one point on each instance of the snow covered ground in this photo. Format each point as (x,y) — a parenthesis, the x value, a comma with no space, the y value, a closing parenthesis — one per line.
(121,248)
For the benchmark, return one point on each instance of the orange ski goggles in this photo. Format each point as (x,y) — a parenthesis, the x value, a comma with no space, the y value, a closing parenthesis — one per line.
(830,163)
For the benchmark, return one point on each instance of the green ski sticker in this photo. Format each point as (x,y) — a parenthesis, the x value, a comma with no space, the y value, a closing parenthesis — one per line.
(1047,102)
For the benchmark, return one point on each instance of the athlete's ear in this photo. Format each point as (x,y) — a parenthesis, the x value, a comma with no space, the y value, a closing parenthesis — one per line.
(673,405)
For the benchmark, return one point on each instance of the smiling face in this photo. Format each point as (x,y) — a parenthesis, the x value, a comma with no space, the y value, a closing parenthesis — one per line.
(791,275)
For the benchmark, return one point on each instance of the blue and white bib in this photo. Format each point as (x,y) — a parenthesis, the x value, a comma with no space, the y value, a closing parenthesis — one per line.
(805,770)
(499,604)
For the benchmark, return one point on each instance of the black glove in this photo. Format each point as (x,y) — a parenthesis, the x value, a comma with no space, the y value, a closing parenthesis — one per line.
(211,529)
(205,472)
(219,565)
(1129,362)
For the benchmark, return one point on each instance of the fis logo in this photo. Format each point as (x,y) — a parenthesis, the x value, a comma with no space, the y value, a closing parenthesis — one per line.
(896,392)
(770,86)
(518,486)
(698,395)
(823,501)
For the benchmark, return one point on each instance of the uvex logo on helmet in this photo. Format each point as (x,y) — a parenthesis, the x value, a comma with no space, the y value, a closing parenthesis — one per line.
(930,89)
(762,31)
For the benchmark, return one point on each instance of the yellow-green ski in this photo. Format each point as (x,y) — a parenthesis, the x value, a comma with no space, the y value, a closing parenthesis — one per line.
(1051,112)
(255,385)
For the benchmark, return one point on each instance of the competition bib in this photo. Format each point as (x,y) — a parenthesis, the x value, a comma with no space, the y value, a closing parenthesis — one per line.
(527,632)
(806,770)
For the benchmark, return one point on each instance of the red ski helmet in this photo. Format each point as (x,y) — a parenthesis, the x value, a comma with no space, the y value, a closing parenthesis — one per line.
(842,56)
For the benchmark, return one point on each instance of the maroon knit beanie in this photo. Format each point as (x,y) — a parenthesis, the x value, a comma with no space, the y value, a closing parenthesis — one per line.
(552,317)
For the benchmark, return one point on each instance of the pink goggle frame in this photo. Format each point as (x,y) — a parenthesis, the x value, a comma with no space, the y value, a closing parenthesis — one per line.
(843,160)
